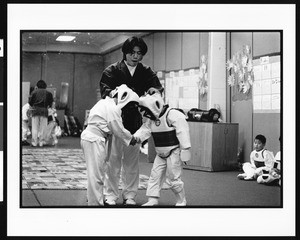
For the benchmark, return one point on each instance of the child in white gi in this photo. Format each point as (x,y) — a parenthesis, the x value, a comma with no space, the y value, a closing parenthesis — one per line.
(103,121)
(171,136)
(260,159)
(26,116)
(50,129)
(273,175)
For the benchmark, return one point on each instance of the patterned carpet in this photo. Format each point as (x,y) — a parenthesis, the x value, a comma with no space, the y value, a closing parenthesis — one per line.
(50,168)
(53,169)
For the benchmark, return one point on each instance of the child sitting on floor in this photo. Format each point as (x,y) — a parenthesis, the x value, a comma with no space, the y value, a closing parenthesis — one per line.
(272,176)
(259,158)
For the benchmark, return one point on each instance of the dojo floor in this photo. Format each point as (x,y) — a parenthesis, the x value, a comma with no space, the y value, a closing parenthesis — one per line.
(203,189)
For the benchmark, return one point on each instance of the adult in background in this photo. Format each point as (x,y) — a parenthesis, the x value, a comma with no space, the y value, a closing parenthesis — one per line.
(40,100)
(140,78)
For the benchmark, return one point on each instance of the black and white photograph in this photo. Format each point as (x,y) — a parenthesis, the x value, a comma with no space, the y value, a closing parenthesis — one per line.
(216,147)
(128,116)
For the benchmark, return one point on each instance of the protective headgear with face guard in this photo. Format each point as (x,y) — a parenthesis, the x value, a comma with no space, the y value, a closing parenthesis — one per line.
(125,95)
(151,105)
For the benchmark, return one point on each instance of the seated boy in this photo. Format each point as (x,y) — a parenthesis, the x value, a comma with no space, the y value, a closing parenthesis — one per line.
(273,175)
(170,132)
(259,158)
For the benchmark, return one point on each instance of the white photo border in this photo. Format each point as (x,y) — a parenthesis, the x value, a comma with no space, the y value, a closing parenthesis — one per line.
(146,222)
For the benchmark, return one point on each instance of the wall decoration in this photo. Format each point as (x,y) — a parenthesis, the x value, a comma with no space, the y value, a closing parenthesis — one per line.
(240,70)
(202,84)
(266,85)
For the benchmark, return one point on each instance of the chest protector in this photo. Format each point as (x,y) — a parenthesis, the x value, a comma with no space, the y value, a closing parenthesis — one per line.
(164,136)
(259,158)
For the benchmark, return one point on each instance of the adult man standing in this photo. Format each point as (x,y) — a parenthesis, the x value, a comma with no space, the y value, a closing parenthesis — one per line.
(140,78)
(40,100)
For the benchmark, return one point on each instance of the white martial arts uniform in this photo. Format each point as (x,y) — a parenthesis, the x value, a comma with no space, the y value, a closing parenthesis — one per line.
(126,159)
(171,134)
(49,133)
(259,160)
(25,122)
(104,120)
(269,175)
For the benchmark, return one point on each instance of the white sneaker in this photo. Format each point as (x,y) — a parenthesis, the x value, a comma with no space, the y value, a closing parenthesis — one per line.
(110,202)
(54,142)
(183,203)
(129,201)
(152,201)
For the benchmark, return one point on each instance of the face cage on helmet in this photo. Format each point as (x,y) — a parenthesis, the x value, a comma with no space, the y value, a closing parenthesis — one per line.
(147,112)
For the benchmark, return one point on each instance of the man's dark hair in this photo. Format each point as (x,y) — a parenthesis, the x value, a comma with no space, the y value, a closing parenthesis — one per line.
(132,42)
(41,84)
(261,138)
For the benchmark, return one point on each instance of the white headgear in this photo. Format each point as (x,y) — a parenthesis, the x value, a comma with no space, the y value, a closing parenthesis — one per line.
(152,105)
(125,96)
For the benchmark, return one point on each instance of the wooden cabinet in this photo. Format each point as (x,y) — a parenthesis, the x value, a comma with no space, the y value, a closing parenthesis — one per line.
(214,146)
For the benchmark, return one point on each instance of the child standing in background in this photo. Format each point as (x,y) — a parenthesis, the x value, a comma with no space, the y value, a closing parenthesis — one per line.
(259,158)
(50,133)
(25,124)
(26,119)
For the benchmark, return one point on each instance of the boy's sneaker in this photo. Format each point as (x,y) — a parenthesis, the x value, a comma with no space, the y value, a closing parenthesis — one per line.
(109,202)
(180,204)
(152,201)
(129,202)
(54,142)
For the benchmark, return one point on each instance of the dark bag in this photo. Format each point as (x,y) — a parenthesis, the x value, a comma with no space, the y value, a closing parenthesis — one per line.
(198,115)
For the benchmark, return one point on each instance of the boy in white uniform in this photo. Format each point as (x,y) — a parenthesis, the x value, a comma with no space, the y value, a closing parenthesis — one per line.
(50,129)
(260,159)
(103,121)
(170,132)
(26,117)
(273,175)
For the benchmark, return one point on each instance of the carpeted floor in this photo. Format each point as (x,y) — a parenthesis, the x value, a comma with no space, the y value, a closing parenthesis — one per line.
(53,168)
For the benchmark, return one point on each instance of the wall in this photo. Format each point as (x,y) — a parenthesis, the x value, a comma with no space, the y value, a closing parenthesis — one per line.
(241,108)
(171,51)
(262,43)
(81,71)
(268,124)
(217,72)
(167,51)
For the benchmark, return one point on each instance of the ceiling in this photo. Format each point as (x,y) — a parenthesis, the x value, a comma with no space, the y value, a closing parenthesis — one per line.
(95,42)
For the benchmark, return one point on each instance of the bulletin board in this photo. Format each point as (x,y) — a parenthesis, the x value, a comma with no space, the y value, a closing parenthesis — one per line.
(266,85)
(181,89)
